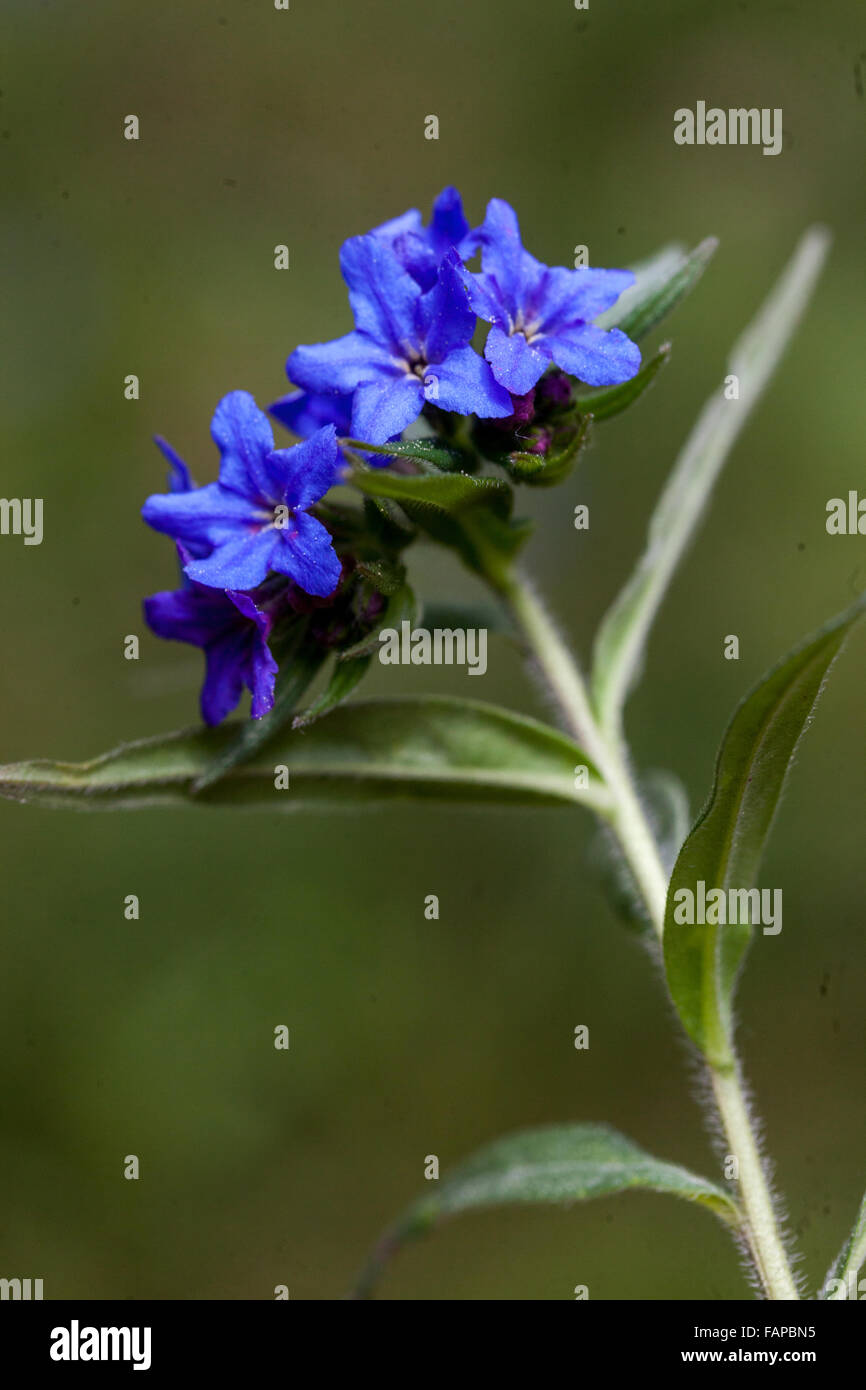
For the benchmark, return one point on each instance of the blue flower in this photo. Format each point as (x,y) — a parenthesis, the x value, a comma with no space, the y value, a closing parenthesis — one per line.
(303,413)
(179,478)
(421,249)
(408,346)
(256,518)
(232,630)
(543,314)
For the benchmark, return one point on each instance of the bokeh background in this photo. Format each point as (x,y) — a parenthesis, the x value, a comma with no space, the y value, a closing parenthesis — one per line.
(408,1037)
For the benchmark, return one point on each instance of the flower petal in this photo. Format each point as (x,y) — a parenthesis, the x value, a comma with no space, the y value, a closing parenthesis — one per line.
(397,226)
(303,473)
(501,249)
(382,294)
(560,297)
(244,437)
(179,479)
(209,514)
(466,384)
(260,667)
(246,606)
(597,357)
(448,225)
(382,409)
(261,678)
(339,365)
(303,413)
(445,319)
(485,299)
(516,364)
(418,257)
(226,662)
(241,563)
(188,615)
(306,554)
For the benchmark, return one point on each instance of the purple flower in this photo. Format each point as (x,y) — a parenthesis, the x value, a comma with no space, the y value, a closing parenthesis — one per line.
(233,632)
(543,314)
(256,518)
(408,346)
(421,249)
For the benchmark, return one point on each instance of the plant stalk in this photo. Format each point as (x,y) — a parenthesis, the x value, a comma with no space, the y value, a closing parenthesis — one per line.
(640,849)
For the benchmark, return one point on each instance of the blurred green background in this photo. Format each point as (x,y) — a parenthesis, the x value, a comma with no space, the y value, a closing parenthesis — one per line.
(408,1037)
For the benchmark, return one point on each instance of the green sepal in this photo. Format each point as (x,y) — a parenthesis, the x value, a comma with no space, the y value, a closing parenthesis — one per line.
(345,676)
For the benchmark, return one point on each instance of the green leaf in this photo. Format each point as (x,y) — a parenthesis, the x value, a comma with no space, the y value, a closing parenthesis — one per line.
(621,640)
(451,492)
(661,283)
(539,470)
(726,844)
(448,457)
(344,677)
(847,1265)
(442,749)
(472,515)
(559,1164)
(299,662)
(610,400)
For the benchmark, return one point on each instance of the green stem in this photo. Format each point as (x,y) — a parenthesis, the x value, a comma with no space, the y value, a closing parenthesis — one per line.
(639,847)
(566,683)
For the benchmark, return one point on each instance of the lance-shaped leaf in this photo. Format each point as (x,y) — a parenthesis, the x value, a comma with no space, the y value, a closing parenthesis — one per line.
(559,1164)
(611,400)
(433,748)
(447,457)
(621,639)
(451,492)
(724,848)
(842,1281)
(399,606)
(343,680)
(660,284)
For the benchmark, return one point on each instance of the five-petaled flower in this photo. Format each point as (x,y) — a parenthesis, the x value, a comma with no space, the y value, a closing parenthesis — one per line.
(232,630)
(421,249)
(255,518)
(416,308)
(545,314)
(408,346)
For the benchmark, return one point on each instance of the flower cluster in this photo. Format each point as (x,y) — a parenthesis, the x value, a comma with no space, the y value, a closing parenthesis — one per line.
(261,551)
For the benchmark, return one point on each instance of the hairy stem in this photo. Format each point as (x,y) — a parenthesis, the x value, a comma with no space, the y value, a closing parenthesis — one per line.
(560,672)
(640,849)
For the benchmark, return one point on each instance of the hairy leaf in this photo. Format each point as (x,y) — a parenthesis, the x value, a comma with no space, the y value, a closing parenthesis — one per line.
(661,283)
(725,846)
(452,492)
(447,457)
(559,1163)
(450,750)
(622,637)
(842,1281)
